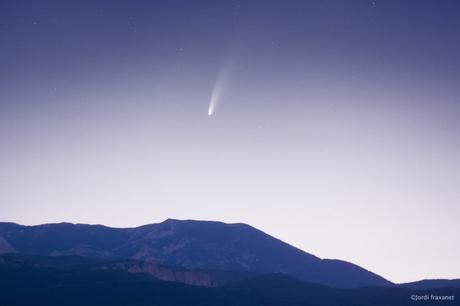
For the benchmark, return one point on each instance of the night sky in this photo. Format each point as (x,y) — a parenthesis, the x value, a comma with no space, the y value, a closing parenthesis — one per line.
(336,123)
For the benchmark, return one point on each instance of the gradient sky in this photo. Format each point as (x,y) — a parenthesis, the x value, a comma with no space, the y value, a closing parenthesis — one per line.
(337,127)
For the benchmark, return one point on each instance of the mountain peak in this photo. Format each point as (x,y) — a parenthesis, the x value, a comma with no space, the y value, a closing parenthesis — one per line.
(202,222)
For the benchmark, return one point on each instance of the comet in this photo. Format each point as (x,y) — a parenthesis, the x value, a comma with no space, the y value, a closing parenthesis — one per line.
(218,89)
(215,97)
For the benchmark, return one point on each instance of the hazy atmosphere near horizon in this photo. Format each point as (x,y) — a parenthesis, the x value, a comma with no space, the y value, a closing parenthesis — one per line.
(332,125)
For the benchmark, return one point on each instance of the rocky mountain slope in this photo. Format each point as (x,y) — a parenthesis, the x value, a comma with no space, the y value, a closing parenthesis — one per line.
(203,278)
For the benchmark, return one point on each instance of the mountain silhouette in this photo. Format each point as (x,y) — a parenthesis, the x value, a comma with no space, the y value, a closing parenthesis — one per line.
(432,283)
(188,244)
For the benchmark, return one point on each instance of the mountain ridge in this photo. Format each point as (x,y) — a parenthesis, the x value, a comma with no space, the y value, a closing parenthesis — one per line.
(190,244)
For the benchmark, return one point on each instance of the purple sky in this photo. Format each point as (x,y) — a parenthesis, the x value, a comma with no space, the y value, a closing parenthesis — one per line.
(336,128)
